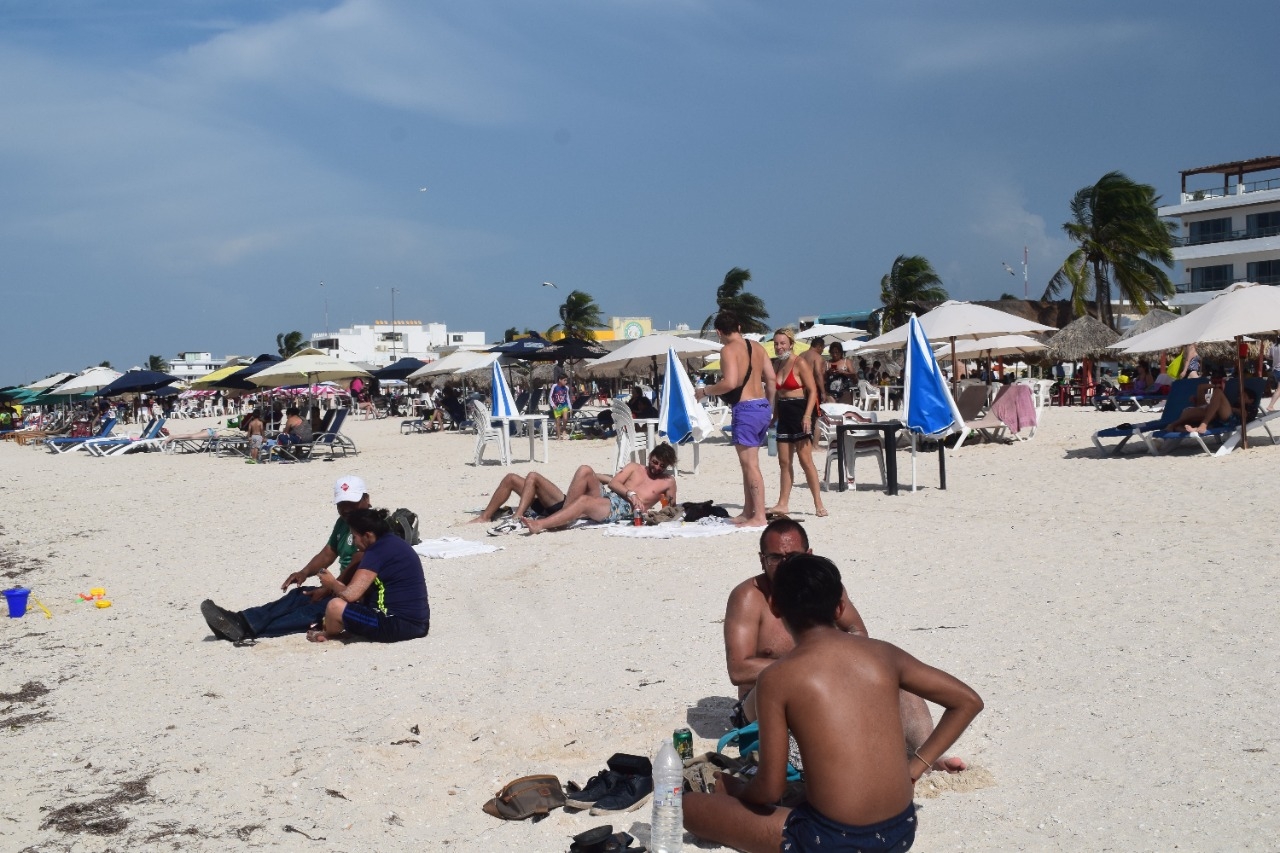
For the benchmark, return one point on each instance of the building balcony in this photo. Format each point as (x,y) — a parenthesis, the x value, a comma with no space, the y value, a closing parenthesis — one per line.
(1193,287)
(1226,236)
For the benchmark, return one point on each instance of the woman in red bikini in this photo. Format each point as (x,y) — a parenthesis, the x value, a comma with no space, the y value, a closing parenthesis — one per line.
(795,411)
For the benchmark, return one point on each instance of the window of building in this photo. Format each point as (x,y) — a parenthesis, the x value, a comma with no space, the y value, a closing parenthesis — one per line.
(457,339)
(1265,272)
(1210,230)
(1211,278)
(1262,224)
(326,343)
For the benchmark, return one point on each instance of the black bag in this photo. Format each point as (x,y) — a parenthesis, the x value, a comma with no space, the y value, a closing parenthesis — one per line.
(702,509)
(404,523)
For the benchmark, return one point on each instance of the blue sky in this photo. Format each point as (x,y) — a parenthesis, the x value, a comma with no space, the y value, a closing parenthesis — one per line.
(182,174)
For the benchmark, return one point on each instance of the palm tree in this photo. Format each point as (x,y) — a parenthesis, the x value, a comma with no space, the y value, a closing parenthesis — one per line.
(106,364)
(1122,240)
(911,286)
(747,307)
(288,343)
(579,317)
(157,363)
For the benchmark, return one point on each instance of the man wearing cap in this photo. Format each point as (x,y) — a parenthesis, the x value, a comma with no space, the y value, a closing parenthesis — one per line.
(299,608)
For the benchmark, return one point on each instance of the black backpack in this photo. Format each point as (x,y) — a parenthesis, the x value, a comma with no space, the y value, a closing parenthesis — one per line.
(404,523)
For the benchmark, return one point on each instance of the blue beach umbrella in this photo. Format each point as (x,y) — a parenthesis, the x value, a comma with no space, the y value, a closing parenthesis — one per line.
(681,417)
(926,399)
(504,405)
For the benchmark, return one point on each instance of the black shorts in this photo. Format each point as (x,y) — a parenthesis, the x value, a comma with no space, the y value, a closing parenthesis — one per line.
(543,511)
(791,420)
(380,627)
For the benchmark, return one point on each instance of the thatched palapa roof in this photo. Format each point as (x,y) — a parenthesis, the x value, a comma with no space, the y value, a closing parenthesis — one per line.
(1082,338)
(1155,317)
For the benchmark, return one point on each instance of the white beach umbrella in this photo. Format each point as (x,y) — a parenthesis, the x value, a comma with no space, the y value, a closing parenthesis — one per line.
(827,330)
(91,380)
(645,352)
(308,366)
(681,416)
(454,362)
(993,347)
(48,383)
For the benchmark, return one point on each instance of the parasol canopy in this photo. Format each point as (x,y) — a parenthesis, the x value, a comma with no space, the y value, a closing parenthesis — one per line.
(307,366)
(402,369)
(50,382)
(997,346)
(136,382)
(642,353)
(1153,319)
(91,380)
(826,330)
(953,320)
(568,349)
(1240,310)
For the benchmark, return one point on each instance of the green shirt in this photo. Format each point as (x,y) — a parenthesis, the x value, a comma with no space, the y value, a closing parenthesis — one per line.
(340,541)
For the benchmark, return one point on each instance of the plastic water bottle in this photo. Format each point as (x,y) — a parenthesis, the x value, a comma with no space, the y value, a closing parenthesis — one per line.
(666,833)
(773,441)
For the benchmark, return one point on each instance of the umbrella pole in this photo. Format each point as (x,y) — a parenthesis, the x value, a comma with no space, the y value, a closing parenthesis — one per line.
(955,373)
(1244,424)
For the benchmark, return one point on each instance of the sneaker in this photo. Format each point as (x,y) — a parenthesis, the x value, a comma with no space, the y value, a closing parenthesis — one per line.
(597,786)
(629,794)
(224,624)
(509,525)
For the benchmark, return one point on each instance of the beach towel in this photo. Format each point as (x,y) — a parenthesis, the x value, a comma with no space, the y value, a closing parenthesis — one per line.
(452,546)
(679,530)
(1015,408)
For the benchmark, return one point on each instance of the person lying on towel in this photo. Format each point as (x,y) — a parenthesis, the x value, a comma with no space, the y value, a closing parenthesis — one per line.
(633,490)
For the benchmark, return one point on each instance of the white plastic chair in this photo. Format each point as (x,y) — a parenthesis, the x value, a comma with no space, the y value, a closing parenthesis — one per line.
(486,432)
(868,395)
(633,445)
(857,442)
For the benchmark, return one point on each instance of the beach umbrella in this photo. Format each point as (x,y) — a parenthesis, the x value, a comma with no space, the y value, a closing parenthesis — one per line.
(136,382)
(308,366)
(927,404)
(521,347)
(462,359)
(240,380)
(1243,309)
(91,380)
(644,352)
(211,380)
(713,366)
(681,416)
(1083,339)
(568,349)
(504,404)
(49,382)
(992,347)
(826,330)
(1153,319)
(402,369)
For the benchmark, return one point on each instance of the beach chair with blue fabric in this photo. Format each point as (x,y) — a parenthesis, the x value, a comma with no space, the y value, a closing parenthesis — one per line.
(1178,398)
(116,444)
(63,444)
(331,438)
(1227,435)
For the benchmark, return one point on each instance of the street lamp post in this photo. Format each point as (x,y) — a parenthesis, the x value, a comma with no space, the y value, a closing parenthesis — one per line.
(394,337)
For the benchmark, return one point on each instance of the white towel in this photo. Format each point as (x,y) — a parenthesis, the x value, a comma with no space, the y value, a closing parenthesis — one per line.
(679,529)
(452,546)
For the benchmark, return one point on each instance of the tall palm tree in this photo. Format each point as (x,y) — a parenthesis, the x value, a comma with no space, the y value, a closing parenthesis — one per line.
(911,286)
(157,363)
(747,307)
(579,317)
(288,343)
(1122,240)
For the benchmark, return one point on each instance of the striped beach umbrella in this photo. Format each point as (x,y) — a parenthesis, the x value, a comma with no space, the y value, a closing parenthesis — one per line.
(681,416)
(504,404)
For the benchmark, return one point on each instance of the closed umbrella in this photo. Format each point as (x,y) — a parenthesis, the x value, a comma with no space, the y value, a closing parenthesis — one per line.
(927,405)
(681,416)
(504,404)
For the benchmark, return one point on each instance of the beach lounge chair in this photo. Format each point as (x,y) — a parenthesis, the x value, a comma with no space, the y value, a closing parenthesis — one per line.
(147,440)
(1164,441)
(64,444)
(330,437)
(1179,397)
(972,403)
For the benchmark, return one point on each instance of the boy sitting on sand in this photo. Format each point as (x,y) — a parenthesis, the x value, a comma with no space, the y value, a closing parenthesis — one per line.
(838,695)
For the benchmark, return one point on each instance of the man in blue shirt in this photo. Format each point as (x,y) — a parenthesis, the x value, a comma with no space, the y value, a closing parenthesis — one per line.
(385,599)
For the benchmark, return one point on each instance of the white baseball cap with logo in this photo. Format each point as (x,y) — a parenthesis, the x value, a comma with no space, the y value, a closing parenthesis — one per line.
(349,488)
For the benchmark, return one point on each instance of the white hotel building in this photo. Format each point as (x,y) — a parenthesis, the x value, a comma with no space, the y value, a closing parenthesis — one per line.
(383,342)
(1230,232)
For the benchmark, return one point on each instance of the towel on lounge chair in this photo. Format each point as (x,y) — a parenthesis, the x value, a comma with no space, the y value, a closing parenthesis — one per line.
(1015,408)
(452,546)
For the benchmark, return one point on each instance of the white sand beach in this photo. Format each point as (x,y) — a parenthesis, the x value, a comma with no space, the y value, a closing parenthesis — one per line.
(1116,615)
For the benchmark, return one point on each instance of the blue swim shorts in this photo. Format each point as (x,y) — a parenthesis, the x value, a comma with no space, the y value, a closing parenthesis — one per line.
(751,422)
(808,831)
(620,508)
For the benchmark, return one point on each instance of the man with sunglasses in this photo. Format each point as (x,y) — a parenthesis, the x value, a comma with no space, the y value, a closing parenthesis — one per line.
(754,637)
(298,609)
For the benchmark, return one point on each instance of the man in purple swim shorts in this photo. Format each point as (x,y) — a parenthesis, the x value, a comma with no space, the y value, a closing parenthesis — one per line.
(747,386)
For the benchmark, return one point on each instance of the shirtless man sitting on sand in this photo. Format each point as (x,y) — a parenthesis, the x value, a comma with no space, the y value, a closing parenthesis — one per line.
(635,488)
(755,637)
(535,493)
(837,693)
